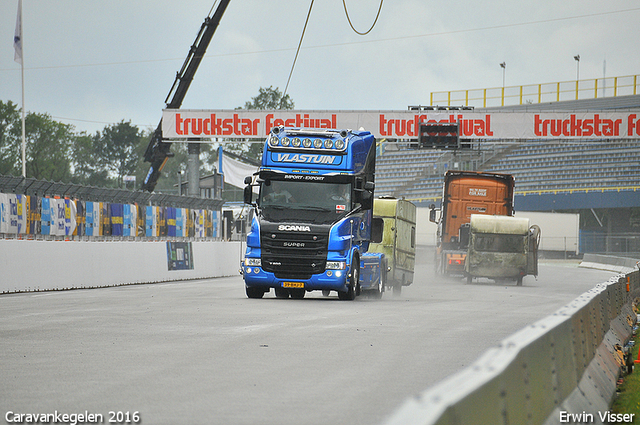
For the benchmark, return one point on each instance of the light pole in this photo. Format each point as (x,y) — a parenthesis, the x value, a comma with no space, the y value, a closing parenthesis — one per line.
(577,58)
(503,65)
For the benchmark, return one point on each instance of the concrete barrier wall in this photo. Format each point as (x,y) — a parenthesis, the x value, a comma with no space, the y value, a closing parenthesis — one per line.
(609,262)
(563,364)
(30,265)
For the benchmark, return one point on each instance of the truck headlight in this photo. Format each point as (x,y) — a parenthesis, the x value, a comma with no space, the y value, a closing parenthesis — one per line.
(336,265)
(253,262)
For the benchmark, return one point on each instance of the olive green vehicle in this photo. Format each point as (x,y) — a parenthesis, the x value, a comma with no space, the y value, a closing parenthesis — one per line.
(398,240)
(502,248)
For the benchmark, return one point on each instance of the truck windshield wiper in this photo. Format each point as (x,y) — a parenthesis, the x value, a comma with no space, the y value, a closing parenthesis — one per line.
(314,208)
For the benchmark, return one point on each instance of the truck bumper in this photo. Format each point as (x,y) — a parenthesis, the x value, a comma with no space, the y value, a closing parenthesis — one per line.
(332,280)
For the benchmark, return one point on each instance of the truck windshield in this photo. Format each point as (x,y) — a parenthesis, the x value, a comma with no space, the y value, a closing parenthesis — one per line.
(317,202)
(499,243)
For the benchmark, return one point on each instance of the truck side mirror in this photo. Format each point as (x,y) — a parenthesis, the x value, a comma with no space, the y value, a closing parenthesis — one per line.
(367,195)
(248,194)
(432,213)
(377,228)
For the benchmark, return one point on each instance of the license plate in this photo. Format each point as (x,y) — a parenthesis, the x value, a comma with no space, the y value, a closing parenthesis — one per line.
(293,284)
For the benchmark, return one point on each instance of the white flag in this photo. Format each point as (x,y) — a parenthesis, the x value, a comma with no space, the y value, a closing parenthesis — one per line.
(17,38)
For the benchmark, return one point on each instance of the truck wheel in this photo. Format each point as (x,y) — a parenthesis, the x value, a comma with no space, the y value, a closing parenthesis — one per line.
(379,289)
(297,293)
(397,286)
(254,292)
(350,295)
(282,293)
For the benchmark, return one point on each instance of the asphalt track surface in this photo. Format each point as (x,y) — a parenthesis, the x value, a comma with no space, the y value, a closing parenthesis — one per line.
(200,352)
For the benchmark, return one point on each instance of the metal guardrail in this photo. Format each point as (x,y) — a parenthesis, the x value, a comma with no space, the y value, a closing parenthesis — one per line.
(566,363)
(42,188)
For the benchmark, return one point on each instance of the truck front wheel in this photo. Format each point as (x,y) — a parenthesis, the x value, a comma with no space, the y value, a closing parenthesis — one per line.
(253,292)
(282,293)
(350,295)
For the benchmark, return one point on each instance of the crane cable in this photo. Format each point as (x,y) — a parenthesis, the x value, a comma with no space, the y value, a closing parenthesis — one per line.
(298,50)
(344,2)
(305,29)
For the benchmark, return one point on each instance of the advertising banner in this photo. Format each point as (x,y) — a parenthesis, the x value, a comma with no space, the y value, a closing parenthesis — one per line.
(12,216)
(117,219)
(183,124)
(151,228)
(4,213)
(170,213)
(22,215)
(70,211)
(179,256)
(46,219)
(80,218)
(88,218)
(180,222)
(215,224)
(35,207)
(198,219)
(129,216)
(106,219)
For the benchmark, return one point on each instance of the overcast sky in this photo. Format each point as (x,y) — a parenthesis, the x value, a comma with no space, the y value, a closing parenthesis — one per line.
(92,63)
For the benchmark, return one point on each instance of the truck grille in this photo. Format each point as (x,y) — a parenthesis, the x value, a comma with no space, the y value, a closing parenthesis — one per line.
(294,255)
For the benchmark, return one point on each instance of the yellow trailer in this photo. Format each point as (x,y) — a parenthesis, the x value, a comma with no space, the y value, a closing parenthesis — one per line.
(398,240)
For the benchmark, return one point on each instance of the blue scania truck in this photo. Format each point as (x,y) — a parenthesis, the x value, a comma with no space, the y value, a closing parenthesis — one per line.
(313,216)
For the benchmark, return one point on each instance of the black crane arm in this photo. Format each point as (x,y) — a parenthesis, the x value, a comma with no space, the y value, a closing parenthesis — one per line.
(158,151)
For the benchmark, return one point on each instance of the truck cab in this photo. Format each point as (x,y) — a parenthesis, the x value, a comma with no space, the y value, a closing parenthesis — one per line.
(466,193)
(313,215)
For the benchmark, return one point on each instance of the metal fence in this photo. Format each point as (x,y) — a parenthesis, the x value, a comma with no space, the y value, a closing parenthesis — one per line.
(539,93)
(42,188)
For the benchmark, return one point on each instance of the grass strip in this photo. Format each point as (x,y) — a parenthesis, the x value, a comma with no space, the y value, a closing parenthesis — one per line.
(628,392)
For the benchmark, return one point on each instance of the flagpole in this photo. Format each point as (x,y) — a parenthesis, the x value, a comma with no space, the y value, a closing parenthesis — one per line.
(24,138)
(19,57)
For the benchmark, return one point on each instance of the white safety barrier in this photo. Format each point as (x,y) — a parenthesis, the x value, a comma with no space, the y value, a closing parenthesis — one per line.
(563,364)
(31,265)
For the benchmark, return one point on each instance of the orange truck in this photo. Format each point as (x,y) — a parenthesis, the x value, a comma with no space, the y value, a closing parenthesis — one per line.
(466,193)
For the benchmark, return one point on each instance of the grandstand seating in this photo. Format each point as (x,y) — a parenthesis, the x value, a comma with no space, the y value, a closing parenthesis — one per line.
(536,165)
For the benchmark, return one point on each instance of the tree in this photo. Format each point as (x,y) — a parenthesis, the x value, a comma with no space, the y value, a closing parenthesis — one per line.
(10,135)
(48,148)
(87,168)
(267,98)
(117,150)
